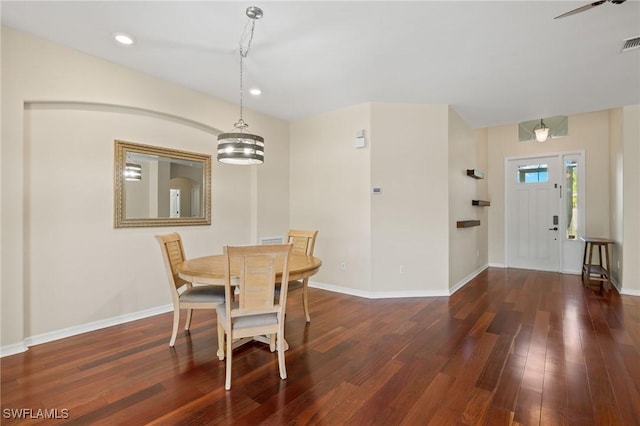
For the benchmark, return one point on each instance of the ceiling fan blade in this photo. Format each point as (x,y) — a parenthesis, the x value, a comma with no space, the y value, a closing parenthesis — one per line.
(581,9)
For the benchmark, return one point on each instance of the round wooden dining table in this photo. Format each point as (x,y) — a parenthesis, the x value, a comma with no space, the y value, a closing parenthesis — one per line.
(210,269)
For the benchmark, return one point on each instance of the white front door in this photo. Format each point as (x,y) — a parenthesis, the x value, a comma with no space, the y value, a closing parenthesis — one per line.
(533,206)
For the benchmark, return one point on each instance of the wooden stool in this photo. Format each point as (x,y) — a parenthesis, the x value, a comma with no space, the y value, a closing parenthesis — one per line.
(601,271)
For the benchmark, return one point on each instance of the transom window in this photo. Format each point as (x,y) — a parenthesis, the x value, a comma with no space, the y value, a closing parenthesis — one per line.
(535,173)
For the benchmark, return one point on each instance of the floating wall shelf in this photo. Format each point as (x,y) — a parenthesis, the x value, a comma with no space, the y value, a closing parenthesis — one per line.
(476,174)
(481,203)
(467,223)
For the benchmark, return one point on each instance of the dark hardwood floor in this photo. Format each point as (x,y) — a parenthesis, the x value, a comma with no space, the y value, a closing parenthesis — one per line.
(511,347)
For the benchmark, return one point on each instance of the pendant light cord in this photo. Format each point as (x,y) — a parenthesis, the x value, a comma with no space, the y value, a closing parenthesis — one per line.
(248,32)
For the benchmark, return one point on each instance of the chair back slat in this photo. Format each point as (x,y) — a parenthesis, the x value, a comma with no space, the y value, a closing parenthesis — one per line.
(303,241)
(257,268)
(257,276)
(172,253)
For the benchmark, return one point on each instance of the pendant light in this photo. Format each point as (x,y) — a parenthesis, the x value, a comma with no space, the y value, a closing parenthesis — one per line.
(132,172)
(541,131)
(240,146)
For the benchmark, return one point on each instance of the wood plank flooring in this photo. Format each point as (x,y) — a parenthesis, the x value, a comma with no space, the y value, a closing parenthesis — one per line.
(513,347)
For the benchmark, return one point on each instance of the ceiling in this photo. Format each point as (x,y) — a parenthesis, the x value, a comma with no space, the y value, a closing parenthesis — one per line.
(495,63)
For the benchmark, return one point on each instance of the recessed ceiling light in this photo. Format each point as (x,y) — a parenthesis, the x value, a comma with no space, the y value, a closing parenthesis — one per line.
(255,91)
(124,39)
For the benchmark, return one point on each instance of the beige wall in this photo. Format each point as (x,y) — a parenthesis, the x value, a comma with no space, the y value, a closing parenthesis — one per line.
(616,188)
(631,200)
(63,264)
(588,132)
(395,242)
(481,139)
(409,215)
(330,191)
(467,246)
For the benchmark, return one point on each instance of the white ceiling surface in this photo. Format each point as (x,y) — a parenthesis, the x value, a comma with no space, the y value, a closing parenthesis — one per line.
(493,62)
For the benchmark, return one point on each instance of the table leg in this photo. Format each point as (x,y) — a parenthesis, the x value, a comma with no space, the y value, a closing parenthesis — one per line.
(608,269)
(589,264)
(600,256)
(605,275)
(584,260)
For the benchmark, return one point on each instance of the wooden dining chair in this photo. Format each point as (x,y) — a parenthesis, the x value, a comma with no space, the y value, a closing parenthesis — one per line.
(303,242)
(184,294)
(255,312)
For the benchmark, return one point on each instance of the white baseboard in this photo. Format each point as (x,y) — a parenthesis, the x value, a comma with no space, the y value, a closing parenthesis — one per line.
(16,348)
(628,292)
(624,291)
(378,294)
(497,265)
(466,279)
(83,328)
(398,294)
(338,289)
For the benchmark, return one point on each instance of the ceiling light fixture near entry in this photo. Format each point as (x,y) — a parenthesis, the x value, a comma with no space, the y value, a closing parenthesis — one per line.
(558,126)
(541,131)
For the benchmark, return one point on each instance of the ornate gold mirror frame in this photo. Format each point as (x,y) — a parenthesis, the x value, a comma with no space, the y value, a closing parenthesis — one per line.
(156,186)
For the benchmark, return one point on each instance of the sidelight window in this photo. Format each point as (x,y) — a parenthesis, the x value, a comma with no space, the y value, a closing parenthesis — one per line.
(571,198)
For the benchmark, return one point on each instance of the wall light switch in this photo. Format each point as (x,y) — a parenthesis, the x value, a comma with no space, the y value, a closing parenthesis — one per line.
(377,190)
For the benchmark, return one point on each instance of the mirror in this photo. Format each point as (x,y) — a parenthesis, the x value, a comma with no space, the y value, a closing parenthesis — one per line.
(160,187)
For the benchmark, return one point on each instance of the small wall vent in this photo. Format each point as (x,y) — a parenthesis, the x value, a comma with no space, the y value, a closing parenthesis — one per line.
(271,240)
(631,43)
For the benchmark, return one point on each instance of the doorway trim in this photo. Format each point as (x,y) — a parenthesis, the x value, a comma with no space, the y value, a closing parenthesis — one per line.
(568,264)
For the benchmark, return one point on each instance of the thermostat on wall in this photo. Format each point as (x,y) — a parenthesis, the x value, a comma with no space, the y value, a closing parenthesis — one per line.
(360,141)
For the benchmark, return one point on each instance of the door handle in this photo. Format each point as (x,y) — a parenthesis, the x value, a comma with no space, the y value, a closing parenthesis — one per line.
(555,228)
